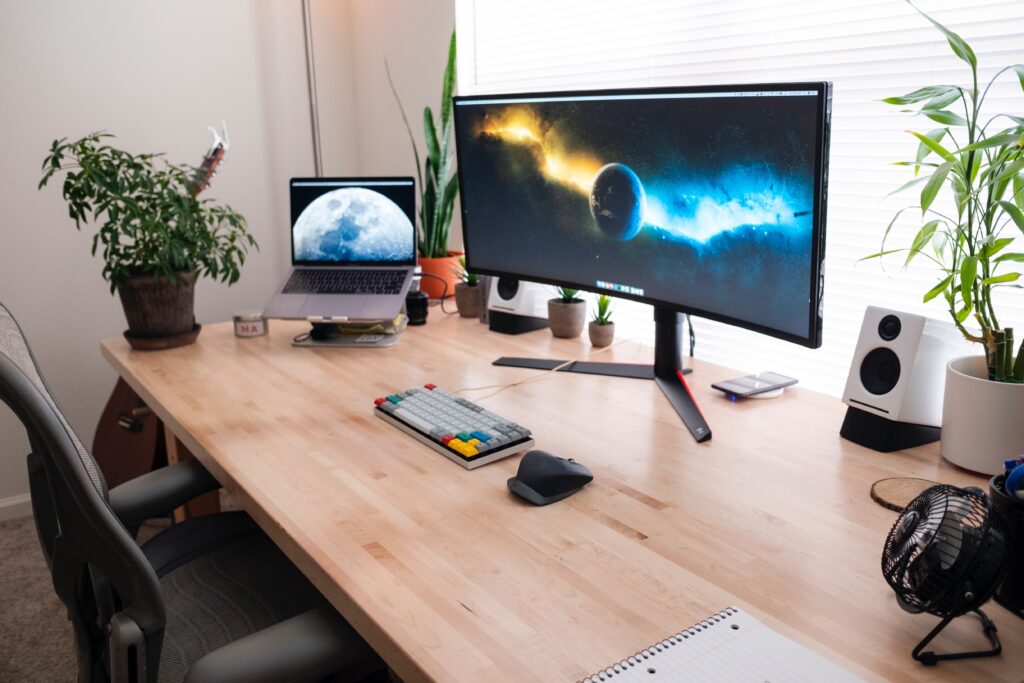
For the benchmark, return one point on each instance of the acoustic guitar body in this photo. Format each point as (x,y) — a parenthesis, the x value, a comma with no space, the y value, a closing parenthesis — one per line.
(129,437)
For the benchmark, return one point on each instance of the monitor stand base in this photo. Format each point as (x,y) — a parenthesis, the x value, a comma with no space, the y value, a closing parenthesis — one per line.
(629,370)
(667,371)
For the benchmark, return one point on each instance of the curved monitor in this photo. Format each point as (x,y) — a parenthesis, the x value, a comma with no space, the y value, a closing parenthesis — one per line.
(706,200)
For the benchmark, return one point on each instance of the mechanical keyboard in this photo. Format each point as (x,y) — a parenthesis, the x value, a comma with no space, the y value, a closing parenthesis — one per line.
(319,281)
(461,430)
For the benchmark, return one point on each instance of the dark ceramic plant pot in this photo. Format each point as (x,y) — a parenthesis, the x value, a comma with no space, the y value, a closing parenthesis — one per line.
(1009,513)
(468,300)
(160,311)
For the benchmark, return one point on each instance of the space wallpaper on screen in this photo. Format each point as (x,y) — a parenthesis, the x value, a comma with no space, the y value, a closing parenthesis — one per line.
(346,223)
(706,202)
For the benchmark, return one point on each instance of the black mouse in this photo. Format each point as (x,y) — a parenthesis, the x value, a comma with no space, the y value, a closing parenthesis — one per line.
(544,478)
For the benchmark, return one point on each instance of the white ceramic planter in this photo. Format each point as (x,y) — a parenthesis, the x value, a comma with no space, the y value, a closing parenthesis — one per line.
(982,420)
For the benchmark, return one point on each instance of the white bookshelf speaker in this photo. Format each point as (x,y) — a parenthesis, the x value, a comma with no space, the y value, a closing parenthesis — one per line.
(516,306)
(896,381)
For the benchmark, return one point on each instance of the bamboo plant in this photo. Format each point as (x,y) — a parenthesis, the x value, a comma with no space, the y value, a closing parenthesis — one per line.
(980,162)
(438,182)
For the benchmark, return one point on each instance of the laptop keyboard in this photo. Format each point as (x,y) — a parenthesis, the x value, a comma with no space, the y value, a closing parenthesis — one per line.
(315,281)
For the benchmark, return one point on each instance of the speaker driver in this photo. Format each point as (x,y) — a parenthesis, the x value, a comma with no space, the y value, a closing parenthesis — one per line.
(880,371)
(889,327)
(507,287)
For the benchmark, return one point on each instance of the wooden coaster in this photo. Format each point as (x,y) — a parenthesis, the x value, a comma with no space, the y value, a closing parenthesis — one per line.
(161,343)
(896,493)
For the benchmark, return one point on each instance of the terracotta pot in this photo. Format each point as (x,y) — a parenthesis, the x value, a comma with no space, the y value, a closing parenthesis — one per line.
(159,309)
(601,335)
(468,299)
(566,318)
(981,419)
(446,268)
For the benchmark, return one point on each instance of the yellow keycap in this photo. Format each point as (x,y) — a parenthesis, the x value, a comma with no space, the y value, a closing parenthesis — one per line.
(463,448)
(473,442)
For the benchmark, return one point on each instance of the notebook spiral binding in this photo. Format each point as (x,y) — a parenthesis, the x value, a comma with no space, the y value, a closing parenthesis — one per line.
(637,659)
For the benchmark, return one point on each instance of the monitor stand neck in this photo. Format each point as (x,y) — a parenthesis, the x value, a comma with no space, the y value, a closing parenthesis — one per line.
(667,370)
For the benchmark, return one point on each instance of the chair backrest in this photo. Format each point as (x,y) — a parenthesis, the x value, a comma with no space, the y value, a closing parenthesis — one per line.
(96,566)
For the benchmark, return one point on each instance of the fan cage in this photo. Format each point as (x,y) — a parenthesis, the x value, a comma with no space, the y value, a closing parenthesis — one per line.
(942,555)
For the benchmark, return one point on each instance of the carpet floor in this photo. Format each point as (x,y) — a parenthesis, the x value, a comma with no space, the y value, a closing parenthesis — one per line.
(35,635)
(36,641)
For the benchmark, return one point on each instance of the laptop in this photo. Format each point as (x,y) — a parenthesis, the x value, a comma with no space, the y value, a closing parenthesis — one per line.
(353,249)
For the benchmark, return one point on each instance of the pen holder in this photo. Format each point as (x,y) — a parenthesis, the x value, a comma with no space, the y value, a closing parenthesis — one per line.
(1009,512)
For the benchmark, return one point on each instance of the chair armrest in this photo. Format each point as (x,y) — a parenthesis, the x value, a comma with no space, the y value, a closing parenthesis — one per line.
(158,492)
(308,647)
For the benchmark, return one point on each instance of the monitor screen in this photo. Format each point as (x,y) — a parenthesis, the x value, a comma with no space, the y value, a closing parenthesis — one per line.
(705,200)
(353,221)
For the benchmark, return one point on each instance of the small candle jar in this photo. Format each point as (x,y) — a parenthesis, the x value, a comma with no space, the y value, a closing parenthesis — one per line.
(250,324)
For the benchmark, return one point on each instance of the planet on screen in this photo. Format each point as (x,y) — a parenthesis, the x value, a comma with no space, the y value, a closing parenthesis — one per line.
(705,202)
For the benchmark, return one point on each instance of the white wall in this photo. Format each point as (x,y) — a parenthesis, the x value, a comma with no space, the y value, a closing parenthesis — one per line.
(413,36)
(157,74)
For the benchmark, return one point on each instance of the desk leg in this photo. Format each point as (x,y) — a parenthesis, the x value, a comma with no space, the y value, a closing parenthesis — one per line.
(205,504)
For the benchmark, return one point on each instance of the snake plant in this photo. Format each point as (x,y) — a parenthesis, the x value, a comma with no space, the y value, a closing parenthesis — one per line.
(438,182)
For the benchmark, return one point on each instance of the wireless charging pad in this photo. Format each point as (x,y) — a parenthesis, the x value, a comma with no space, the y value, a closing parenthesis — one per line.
(774,393)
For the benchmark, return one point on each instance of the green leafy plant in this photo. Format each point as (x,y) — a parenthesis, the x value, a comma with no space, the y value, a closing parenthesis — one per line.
(567,295)
(603,314)
(980,162)
(439,184)
(149,221)
(471,279)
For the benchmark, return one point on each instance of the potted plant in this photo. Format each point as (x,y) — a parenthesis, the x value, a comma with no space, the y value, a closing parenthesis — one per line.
(601,328)
(468,297)
(439,185)
(567,313)
(156,236)
(977,158)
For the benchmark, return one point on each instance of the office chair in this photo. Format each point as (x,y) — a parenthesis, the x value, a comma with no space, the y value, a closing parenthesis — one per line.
(209,600)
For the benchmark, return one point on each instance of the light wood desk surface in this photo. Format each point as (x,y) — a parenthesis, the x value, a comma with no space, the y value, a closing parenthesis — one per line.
(451,578)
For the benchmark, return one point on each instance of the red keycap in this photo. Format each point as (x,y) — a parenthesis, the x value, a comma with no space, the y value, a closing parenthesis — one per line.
(430,386)
(378,401)
(446,438)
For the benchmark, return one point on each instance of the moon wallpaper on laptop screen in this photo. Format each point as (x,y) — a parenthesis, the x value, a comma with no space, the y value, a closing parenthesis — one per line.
(703,202)
(352,224)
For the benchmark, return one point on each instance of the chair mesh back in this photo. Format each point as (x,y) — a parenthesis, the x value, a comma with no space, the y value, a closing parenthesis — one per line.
(15,348)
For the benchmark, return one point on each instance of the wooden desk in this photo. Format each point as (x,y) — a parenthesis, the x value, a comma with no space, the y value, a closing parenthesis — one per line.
(450,578)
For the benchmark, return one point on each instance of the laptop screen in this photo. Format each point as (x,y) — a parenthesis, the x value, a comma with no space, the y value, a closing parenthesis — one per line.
(353,221)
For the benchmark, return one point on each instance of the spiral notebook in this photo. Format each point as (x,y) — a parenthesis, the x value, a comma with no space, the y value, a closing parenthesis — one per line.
(728,647)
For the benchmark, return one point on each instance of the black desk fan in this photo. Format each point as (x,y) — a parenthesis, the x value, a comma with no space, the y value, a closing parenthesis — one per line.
(944,557)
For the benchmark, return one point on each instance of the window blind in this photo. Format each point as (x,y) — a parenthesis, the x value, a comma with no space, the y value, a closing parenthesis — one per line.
(869,49)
